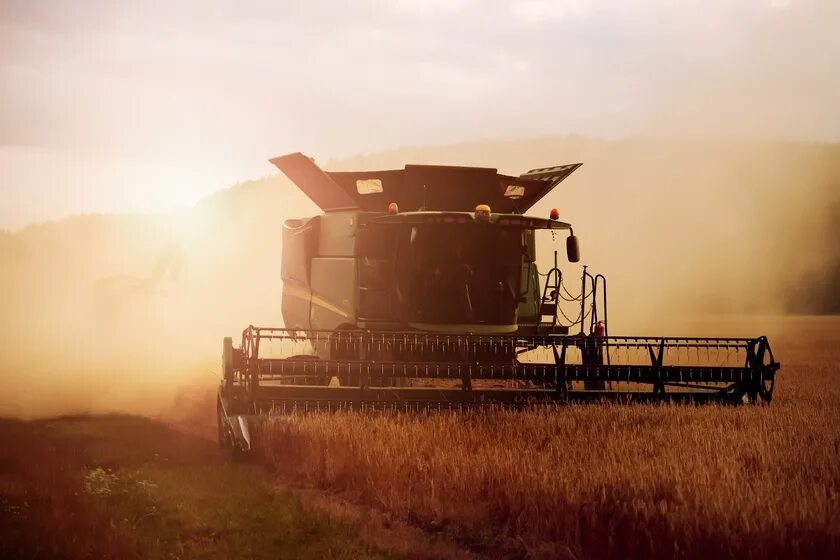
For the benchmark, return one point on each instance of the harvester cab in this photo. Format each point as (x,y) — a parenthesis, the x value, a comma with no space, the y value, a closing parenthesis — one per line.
(419,288)
(425,249)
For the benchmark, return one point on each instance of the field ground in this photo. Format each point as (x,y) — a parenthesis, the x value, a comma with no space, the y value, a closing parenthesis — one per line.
(128,487)
(604,480)
(592,481)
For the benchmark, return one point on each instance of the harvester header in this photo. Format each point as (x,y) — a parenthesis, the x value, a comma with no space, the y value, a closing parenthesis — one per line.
(419,288)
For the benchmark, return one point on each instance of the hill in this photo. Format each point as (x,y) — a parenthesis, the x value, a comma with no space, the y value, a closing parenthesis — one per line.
(118,312)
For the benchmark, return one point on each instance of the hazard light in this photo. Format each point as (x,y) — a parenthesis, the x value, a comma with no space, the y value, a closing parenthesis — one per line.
(482,212)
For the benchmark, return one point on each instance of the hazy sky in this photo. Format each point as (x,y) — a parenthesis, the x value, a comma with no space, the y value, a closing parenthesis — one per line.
(136,106)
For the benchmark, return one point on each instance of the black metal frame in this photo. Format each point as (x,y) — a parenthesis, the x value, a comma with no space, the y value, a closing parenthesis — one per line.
(373,367)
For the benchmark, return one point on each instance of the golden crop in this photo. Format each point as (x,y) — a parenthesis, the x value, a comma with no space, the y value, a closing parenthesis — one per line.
(602,480)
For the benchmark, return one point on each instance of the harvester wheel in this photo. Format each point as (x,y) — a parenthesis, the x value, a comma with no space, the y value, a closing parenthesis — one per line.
(227,361)
(223,431)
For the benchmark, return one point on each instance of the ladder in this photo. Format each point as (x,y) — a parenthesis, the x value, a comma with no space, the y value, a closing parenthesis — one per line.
(548,302)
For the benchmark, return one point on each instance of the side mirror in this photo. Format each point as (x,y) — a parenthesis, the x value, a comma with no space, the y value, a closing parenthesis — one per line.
(572,248)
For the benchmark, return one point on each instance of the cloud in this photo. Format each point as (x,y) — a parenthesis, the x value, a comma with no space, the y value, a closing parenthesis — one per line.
(432,6)
(531,11)
(221,86)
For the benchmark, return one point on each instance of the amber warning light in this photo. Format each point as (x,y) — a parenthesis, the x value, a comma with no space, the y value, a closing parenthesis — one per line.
(554,214)
(482,212)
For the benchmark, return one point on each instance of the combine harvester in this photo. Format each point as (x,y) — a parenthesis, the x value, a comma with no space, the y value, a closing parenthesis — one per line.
(418,289)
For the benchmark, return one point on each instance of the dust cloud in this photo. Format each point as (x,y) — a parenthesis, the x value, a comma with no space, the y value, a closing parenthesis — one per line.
(127,312)
(682,227)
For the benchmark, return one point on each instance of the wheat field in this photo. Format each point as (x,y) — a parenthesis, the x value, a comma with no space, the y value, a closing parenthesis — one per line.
(602,480)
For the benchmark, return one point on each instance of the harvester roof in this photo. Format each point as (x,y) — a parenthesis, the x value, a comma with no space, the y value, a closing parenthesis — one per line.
(421,187)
